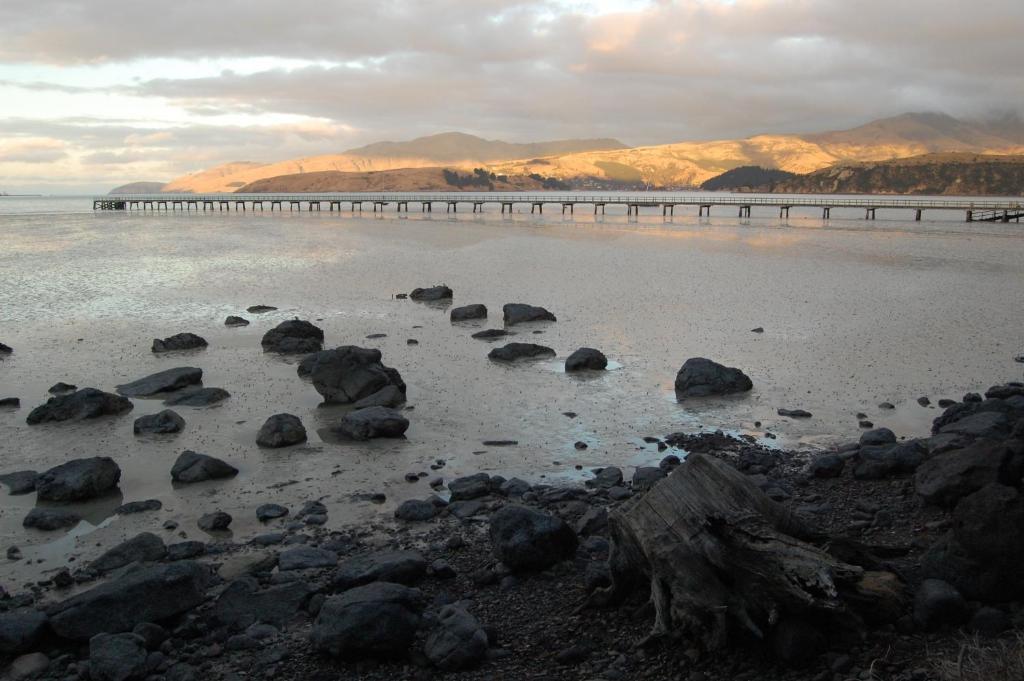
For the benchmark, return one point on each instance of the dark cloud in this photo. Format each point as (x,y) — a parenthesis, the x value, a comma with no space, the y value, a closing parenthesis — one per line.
(514,69)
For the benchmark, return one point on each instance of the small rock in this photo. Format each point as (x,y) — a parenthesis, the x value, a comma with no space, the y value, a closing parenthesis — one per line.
(281,430)
(194,467)
(164,422)
(514,351)
(214,522)
(181,341)
(270,512)
(468,312)
(233,320)
(795,413)
(61,387)
(518,313)
(586,359)
(434,293)
(938,604)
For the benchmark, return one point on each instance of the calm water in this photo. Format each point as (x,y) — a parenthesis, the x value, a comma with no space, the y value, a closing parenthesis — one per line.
(854,313)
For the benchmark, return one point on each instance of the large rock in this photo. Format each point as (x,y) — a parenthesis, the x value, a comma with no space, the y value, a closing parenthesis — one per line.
(416,510)
(525,539)
(195,467)
(117,657)
(373,422)
(700,377)
(519,313)
(20,482)
(433,293)
(349,374)
(49,519)
(162,382)
(989,524)
(87,403)
(946,478)
(281,430)
(470,487)
(243,603)
(388,396)
(161,423)
(458,641)
(378,619)
(179,341)
(146,594)
(197,397)
(878,436)
(990,424)
(586,358)
(469,312)
(305,557)
(78,480)
(293,337)
(875,462)
(400,567)
(20,630)
(514,351)
(938,604)
(145,547)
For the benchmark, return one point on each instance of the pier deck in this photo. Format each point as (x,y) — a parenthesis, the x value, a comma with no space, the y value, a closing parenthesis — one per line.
(973,210)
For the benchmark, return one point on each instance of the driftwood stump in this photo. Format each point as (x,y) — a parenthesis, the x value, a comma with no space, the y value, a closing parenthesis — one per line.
(722,557)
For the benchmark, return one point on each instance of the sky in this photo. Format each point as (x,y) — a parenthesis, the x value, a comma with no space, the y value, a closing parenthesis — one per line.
(98,92)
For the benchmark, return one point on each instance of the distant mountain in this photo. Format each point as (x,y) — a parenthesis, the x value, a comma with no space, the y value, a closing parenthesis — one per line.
(400,180)
(607,164)
(454,147)
(954,174)
(746,177)
(138,188)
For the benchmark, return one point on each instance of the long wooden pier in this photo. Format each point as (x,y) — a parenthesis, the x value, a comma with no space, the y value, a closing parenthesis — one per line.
(973,210)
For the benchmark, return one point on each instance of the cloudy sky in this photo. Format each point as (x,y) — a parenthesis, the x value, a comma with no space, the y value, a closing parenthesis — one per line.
(96,92)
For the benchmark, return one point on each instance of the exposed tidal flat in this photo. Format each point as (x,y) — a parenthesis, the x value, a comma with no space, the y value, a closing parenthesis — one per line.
(853,315)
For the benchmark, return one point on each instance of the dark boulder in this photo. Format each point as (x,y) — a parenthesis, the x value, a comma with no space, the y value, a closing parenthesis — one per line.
(519,313)
(87,403)
(990,424)
(514,351)
(267,512)
(586,358)
(10,402)
(117,657)
(469,312)
(281,430)
(875,462)
(878,436)
(161,423)
(348,374)
(305,557)
(139,507)
(607,477)
(243,603)
(416,510)
(195,467)
(795,413)
(525,539)
(700,377)
(645,477)
(49,519)
(78,480)
(491,334)
(458,640)
(147,594)
(373,422)
(826,466)
(218,521)
(142,548)
(388,396)
(989,525)
(20,630)
(378,619)
(946,478)
(20,482)
(197,397)
(470,487)
(260,309)
(234,320)
(162,382)
(400,567)
(938,604)
(294,336)
(180,341)
(434,293)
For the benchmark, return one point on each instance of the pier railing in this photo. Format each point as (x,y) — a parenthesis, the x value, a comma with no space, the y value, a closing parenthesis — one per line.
(974,209)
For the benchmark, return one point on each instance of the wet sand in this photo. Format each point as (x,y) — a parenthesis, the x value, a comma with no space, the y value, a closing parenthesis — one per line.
(854,314)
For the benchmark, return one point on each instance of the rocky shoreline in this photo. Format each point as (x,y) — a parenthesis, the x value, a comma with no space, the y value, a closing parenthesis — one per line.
(496,578)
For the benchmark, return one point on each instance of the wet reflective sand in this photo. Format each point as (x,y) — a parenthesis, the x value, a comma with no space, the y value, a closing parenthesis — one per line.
(854,314)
